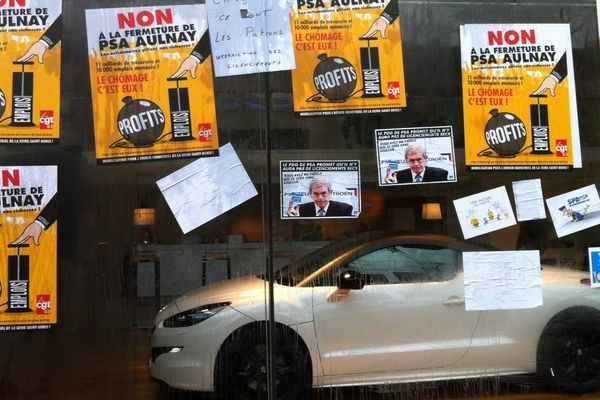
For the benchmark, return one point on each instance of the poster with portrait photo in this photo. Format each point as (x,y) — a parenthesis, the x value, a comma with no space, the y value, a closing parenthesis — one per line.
(575,211)
(415,155)
(320,189)
(484,212)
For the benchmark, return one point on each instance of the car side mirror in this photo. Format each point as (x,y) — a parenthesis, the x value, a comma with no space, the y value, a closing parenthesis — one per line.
(351,280)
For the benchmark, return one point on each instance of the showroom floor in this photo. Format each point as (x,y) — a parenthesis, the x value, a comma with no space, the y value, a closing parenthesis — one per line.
(112,363)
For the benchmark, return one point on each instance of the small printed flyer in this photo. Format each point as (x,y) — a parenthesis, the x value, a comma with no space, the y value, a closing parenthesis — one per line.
(594,257)
(484,212)
(320,189)
(415,155)
(575,211)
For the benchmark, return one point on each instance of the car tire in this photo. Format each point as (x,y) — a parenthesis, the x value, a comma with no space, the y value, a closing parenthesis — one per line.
(241,370)
(569,350)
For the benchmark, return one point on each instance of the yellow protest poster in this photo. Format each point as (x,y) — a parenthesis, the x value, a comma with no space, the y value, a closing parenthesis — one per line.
(519,98)
(152,83)
(348,57)
(30,35)
(28,232)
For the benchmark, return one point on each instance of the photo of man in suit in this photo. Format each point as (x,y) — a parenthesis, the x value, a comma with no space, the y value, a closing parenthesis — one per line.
(322,205)
(418,171)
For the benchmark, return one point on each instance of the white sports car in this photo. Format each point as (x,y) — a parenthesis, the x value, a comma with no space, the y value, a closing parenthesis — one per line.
(389,310)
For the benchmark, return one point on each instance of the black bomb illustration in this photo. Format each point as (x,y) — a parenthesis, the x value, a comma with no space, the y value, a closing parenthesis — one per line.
(505,133)
(141,122)
(18,281)
(2,103)
(335,78)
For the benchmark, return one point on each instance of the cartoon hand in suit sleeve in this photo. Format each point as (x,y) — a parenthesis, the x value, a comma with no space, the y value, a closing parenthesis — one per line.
(389,176)
(549,83)
(38,49)
(558,74)
(32,231)
(293,211)
(380,25)
(190,64)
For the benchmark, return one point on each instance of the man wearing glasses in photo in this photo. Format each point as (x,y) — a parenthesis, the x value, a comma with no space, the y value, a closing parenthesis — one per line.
(322,205)
(418,171)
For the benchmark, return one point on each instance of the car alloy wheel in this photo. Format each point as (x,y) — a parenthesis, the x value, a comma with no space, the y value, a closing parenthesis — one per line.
(578,355)
(242,371)
(570,351)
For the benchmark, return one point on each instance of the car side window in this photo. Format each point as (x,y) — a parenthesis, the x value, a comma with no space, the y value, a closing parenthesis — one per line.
(406,264)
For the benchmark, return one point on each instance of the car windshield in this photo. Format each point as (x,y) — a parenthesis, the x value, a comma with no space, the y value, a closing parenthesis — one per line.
(402,244)
(297,271)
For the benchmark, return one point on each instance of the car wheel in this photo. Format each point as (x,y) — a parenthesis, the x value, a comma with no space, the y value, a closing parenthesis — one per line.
(241,372)
(569,350)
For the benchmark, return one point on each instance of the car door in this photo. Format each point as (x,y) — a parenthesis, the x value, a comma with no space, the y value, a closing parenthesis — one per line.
(410,314)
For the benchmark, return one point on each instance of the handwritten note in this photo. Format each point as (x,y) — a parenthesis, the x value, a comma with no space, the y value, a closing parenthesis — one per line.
(250,36)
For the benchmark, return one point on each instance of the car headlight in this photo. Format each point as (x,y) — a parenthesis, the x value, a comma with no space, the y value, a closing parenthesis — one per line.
(194,316)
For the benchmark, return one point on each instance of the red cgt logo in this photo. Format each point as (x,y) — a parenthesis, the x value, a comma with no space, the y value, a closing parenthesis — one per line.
(42,304)
(393,90)
(46,119)
(562,148)
(204,132)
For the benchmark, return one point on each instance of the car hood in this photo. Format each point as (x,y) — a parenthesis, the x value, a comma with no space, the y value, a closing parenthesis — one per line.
(562,276)
(240,290)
